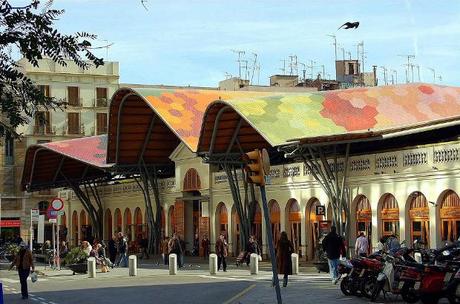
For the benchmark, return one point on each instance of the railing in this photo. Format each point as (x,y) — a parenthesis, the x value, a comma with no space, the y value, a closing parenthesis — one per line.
(100,102)
(74,102)
(43,130)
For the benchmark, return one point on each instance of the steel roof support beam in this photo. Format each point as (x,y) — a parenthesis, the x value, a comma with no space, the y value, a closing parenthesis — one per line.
(235,135)
(58,169)
(33,165)
(120,109)
(216,124)
(146,139)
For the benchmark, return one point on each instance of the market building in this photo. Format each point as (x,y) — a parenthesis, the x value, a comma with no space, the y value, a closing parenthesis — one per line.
(402,177)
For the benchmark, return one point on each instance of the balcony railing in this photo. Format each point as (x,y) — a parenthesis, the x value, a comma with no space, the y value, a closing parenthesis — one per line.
(101,102)
(102,130)
(74,102)
(78,130)
(44,130)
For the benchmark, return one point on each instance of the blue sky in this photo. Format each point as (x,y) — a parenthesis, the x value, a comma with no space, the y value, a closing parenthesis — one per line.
(189,42)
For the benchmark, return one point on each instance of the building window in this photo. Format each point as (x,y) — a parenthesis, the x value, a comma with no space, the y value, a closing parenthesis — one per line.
(73,123)
(45,89)
(42,123)
(351,68)
(73,96)
(101,97)
(101,121)
(9,149)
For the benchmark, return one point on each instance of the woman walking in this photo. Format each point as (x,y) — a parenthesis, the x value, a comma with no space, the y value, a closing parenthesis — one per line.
(23,262)
(284,249)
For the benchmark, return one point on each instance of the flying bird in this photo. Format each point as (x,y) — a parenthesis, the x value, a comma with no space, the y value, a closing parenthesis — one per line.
(143,2)
(349,25)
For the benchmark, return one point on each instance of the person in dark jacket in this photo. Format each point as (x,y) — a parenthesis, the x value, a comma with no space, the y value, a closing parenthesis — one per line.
(205,245)
(24,263)
(113,249)
(333,246)
(284,249)
(222,252)
(252,247)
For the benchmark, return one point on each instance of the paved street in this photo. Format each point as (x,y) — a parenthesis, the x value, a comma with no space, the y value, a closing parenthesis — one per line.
(192,285)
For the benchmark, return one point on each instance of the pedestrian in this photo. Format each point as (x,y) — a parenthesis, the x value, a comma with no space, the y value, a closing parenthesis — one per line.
(222,252)
(122,250)
(63,250)
(165,250)
(144,244)
(392,244)
(113,249)
(284,249)
(196,245)
(205,245)
(175,247)
(362,245)
(24,263)
(86,247)
(182,253)
(251,247)
(333,246)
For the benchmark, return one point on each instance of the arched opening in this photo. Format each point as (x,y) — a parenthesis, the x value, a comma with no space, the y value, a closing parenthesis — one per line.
(364,218)
(75,228)
(293,219)
(450,217)
(275,219)
(118,220)
(222,220)
(63,228)
(256,227)
(419,215)
(85,227)
(192,180)
(139,225)
(236,238)
(108,225)
(317,226)
(172,221)
(127,222)
(389,215)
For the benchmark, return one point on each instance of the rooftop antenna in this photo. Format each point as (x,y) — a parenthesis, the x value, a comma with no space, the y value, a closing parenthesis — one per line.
(434,74)
(334,44)
(283,69)
(304,70)
(240,55)
(311,66)
(384,69)
(106,47)
(396,75)
(293,65)
(244,67)
(254,66)
(258,73)
(408,65)
(349,55)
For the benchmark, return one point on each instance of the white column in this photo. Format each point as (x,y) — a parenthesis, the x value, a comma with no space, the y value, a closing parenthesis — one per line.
(295,263)
(254,264)
(303,235)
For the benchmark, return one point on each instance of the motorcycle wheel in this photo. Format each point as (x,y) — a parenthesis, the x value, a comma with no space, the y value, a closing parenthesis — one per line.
(429,298)
(367,286)
(377,289)
(355,287)
(410,296)
(345,286)
(452,296)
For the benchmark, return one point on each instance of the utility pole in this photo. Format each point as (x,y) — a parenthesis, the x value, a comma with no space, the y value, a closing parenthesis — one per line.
(293,64)
(434,74)
(245,68)
(240,55)
(304,70)
(408,65)
(254,66)
(418,72)
(396,75)
(324,71)
(349,55)
(311,66)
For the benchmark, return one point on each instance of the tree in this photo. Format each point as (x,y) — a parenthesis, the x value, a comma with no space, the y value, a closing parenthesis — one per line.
(29,30)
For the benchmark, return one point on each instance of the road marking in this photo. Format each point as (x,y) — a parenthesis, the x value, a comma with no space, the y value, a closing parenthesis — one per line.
(10,280)
(41,299)
(239,295)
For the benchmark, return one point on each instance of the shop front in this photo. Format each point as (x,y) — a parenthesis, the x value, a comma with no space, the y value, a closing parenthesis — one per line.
(364,218)
(9,228)
(419,219)
(389,216)
(450,217)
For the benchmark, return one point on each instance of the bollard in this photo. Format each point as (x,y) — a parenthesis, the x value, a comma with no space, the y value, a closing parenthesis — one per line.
(173,264)
(295,263)
(132,265)
(254,264)
(418,257)
(212,263)
(91,267)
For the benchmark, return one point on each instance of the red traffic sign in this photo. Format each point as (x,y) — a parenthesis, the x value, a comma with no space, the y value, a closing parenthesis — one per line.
(52,214)
(57,204)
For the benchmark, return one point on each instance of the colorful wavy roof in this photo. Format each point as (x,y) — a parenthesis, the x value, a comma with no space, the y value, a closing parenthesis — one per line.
(281,117)
(90,150)
(183,109)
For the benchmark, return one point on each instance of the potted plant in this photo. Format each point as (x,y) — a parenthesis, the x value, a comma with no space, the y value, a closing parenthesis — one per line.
(75,260)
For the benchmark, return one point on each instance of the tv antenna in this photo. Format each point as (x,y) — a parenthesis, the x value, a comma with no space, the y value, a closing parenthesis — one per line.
(254,66)
(106,47)
(293,65)
(240,56)
(408,66)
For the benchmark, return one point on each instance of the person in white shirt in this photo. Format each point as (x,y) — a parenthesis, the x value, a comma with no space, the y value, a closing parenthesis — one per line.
(361,245)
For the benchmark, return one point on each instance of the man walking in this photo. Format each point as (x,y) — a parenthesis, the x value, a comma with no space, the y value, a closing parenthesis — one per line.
(24,263)
(361,245)
(221,251)
(122,250)
(333,246)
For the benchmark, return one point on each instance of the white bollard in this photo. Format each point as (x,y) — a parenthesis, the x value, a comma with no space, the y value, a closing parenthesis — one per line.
(254,263)
(91,267)
(418,257)
(132,265)
(173,264)
(295,263)
(212,263)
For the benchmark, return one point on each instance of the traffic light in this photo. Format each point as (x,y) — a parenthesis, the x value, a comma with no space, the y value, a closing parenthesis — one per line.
(258,165)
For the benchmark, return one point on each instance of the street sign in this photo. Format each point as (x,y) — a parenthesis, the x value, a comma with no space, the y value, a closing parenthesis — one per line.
(52,220)
(320,210)
(61,212)
(52,214)
(57,204)
(34,213)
